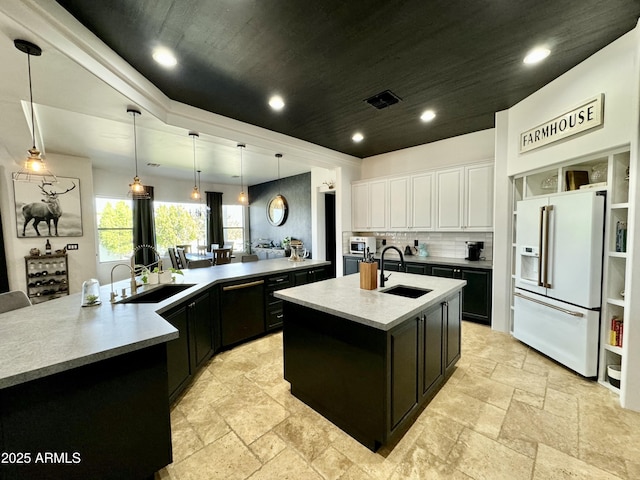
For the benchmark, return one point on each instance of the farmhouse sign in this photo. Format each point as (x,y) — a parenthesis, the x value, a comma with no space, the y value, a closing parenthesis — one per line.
(588,115)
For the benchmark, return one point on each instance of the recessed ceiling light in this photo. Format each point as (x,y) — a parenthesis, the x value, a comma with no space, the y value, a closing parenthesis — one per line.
(357,137)
(536,55)
(428,115)
(276,102)
(164,57)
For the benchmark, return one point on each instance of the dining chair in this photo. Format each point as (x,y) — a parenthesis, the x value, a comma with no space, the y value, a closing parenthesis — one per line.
(221,256)
(186,247)
(215,246)
(174,259)
(249,258)
(13,300)
(186,263)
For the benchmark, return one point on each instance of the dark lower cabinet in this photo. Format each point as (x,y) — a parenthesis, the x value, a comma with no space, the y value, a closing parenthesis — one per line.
(273,305)
(242,312)
(309,275)
(371,383)
(350,265)
(417,268)
(194,322)
(476,295)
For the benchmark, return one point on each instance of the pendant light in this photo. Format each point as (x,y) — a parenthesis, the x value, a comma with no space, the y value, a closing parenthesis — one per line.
(279,202)
(242,198)
(34,168)
(195,194)
(136,189)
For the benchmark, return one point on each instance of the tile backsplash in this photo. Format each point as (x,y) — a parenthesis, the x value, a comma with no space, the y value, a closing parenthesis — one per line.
(439,244)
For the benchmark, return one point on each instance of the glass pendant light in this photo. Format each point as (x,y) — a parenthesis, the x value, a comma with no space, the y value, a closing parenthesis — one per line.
(136,189)
(279,202)
(195,194)
(242,198)
(34,168)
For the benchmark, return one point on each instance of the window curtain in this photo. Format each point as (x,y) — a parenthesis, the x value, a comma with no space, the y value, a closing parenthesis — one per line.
(215,233)
(144,229)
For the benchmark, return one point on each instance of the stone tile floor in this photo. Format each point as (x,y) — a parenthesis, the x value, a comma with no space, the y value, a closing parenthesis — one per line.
(506,413)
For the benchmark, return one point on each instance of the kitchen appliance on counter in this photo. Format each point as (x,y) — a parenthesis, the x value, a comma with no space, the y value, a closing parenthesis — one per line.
(473,250)
(559,248)
(422,250)
(359,245)
(409,250)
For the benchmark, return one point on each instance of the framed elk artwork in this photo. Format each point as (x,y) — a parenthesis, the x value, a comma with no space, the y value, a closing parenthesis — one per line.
(48,209)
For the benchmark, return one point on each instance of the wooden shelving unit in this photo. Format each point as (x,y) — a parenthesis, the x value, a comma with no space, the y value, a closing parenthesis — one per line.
(47,277)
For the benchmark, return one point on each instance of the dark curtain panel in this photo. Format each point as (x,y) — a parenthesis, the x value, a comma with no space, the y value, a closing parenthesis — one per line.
(215,234)
(4,275)
(144,230)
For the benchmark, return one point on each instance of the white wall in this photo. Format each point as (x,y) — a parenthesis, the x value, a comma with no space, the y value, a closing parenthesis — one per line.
(81,262)
(461,150)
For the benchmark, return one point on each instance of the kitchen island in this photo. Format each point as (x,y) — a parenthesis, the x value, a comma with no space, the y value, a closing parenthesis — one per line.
(84,391)
(370,360)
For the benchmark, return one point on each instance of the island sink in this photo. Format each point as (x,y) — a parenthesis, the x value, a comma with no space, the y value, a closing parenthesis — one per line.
(157,294)
(406,291)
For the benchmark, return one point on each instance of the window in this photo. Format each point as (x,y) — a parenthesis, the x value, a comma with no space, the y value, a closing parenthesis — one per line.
(179,224)
(115,229)
(233,226)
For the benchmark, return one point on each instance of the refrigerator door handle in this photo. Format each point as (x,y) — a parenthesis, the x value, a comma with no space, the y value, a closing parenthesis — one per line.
(541,253)
(545,281)
(563,310)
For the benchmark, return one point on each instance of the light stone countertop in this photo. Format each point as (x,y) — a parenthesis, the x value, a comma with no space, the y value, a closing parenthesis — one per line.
(60,334)
(393,256)
(344,298)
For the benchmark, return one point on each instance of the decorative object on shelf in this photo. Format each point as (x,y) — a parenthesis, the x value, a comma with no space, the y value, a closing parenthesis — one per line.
(91,293)
(195,193)
(41,203)
(550,183)
(626,174)
(242,198)
(136,189)
(34,252)
(599,173)
(621,236)
(576,178)
(34,169)
(613,373)
(47,248)
(422,250)
(330,184)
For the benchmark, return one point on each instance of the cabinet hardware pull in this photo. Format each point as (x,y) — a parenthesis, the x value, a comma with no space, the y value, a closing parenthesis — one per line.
(280,280)
(242,285)
(280,316)
(563,310)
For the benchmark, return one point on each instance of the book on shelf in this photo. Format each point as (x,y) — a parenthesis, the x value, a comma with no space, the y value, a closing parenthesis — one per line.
(615,332)
(621,236)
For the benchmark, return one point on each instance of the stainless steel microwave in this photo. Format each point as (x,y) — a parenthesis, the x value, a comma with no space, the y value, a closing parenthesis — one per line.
(359,245)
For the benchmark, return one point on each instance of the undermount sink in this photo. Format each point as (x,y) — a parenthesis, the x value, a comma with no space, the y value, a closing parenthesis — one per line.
(157,294)
(406,291)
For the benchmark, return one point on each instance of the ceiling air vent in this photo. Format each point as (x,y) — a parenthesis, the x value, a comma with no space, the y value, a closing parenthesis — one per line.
(383,99)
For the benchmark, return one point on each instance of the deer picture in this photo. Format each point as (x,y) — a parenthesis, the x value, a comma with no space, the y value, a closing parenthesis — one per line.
(46,211)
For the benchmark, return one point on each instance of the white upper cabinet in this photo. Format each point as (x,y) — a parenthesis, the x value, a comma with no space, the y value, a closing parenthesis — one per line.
(399,203)
(369,205)
(422,201)
(478,202)
(450,198)
(455,199)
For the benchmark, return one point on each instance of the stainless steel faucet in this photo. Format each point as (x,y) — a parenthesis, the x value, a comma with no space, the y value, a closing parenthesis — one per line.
(113,296)
(382,277)
(132,268)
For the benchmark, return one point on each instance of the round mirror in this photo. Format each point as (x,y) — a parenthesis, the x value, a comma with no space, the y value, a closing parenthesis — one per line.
(277,210)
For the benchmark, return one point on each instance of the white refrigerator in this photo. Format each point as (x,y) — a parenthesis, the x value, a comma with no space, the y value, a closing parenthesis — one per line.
(558,280)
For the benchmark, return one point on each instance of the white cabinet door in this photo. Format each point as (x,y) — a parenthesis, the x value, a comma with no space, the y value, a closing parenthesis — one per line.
(478,207)
(378,204)
(359,206)
(449,199)
(422,201)
(399,203)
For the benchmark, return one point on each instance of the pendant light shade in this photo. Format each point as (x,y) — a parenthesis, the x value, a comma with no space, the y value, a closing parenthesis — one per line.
(242,198)
(136,189)
(195,193)
(279,201)
(34,168)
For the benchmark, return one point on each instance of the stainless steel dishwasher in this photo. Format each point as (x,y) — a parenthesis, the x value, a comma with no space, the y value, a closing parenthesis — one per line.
(241,311)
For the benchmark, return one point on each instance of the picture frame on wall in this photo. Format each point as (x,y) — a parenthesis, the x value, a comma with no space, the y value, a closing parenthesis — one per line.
(48,209)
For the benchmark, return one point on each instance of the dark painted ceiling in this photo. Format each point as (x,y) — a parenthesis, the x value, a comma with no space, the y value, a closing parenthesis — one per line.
(325,57)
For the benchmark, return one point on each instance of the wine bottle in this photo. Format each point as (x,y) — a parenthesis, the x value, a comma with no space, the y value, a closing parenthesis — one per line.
(47,248)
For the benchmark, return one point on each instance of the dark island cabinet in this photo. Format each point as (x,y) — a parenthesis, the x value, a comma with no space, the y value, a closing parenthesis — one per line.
(476,295)
(274,313)
(371,383)
(194,321)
